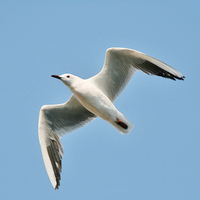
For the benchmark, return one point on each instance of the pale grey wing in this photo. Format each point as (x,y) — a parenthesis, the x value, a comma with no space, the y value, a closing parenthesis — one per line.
(54,122)
(121,64)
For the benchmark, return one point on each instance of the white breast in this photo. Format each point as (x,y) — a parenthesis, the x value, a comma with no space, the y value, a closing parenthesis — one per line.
(95,101)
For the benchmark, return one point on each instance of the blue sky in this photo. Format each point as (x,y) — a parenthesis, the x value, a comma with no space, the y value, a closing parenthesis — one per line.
(160,158)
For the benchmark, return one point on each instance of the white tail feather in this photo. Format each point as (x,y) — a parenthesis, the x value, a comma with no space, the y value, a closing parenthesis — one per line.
(122,118)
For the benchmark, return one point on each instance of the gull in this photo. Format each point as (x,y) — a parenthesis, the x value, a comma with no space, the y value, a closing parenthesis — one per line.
(91,98)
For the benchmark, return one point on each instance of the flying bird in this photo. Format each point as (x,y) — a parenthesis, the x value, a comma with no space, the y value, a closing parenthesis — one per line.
(91,98)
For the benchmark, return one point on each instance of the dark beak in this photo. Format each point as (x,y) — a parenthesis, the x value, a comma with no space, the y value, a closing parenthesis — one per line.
(56,76)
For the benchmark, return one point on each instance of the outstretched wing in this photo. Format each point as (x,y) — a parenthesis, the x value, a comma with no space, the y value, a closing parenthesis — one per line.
(54,122)
(121,64)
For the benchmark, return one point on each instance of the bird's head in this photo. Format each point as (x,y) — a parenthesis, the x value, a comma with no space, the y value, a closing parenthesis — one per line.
(67,79)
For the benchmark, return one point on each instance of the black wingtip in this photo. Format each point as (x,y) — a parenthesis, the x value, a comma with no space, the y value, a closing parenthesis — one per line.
(153,69)
(179,78)
(57,185)
(169,75)
(182,78)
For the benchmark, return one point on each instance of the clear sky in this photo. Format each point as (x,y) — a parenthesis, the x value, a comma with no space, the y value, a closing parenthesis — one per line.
(160,158)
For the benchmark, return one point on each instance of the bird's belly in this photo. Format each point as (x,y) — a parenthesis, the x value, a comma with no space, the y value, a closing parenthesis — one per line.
(98,103)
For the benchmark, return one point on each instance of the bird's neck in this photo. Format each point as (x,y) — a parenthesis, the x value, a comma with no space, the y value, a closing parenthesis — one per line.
(73,86)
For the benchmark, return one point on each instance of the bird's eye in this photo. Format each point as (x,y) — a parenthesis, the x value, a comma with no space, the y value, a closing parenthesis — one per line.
(68,76)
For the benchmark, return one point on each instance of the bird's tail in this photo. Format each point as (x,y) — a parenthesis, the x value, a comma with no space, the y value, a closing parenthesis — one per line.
(122,124)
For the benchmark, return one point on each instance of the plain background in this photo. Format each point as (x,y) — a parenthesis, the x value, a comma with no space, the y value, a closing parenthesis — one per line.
(160,158)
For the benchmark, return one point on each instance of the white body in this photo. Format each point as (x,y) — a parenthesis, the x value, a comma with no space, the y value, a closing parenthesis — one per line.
(91,98)
(94,100)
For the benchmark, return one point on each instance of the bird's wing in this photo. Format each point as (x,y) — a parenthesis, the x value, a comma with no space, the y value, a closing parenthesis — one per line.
(121,64)
(54,122)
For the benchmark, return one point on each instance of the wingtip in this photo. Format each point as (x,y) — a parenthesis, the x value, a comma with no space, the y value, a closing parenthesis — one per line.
(56,184)
(182,78)
(57,187)
(179,78)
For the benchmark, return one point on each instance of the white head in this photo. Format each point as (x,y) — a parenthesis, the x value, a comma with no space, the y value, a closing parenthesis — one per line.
(68,79)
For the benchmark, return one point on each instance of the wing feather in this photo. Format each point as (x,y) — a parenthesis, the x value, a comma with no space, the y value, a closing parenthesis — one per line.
(121,64)
(54,122)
